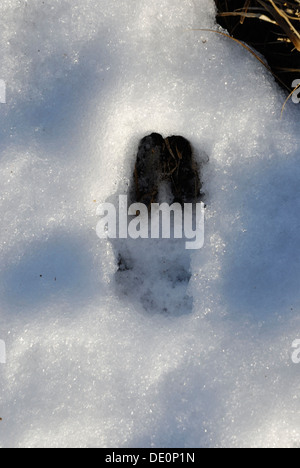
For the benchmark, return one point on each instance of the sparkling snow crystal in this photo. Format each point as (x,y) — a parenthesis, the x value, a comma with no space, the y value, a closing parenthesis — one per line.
(195,349)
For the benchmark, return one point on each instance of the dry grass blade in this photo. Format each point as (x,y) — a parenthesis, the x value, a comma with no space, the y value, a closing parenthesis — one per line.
(248,49)
(288,70)
(283,21)
(248,15)
(288,98)
(246,6)
(270,26)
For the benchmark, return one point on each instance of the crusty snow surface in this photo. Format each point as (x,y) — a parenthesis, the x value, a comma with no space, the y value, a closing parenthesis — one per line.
(187,349)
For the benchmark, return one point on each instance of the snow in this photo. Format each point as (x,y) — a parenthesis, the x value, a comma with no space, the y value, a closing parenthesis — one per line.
(188,348)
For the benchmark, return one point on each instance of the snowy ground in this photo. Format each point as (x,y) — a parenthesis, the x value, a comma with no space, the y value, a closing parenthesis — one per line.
(90,362)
